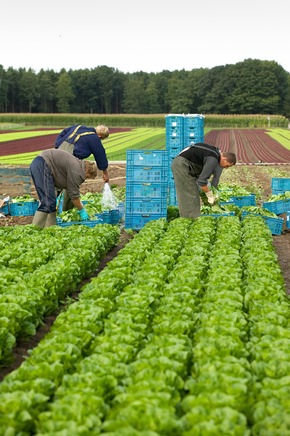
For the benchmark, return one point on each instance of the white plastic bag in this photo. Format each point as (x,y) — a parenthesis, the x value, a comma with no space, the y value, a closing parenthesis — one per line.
(109,201)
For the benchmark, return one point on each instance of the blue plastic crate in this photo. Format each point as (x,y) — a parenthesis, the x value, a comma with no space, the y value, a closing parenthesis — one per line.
(280,184)
(174,121)
(170,176)
(146,205)
(104,216)
(288,219)
(170,183)
(138,221)
(193,120)
(191,141)
(277,192)
(227,203)
(171,197)
(244,200)
(275,224)
(121,209)
(59,203)
(174,151)
(217,215)
(174,142)
(152,190)
(278,207)
(193,132)
(174,135)
(23,208)
(146,174)
(145,158)
(4,209)
(91,223)
(114,216)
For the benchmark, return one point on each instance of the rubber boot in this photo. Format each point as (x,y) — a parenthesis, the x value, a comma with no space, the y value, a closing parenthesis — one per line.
(51,219)
(39,219)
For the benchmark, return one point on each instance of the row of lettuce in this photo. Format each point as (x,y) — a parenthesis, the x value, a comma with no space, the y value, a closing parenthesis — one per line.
(39,269)
(185,331)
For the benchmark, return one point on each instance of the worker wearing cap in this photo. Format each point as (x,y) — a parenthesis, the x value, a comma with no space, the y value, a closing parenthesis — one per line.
(82,142)
(192,169)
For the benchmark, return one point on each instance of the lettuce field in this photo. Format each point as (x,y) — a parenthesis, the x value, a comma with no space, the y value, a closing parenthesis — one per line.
(184,332)
(181,329)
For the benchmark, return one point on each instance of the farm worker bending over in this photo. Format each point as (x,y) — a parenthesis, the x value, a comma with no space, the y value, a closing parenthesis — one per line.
(55,169)
(82,141)
(192,169)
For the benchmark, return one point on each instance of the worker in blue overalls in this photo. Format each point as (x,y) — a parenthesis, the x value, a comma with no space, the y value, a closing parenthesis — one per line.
(82,141)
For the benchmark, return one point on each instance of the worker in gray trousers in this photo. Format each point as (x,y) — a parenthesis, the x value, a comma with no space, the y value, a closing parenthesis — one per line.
(192,169)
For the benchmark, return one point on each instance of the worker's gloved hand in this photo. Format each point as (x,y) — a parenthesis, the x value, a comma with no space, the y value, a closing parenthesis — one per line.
(211,198)
(83,214)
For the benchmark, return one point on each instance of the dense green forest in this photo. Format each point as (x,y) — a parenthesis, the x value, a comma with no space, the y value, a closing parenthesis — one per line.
(249,87)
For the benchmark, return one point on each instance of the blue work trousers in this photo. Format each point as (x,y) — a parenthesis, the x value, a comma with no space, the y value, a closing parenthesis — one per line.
(44,184)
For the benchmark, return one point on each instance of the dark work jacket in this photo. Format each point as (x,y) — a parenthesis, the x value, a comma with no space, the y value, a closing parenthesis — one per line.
(86,142)
(206,159)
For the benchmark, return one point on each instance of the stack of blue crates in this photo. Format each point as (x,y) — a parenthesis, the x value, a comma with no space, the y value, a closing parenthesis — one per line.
(181,131)
(146,187)
(279,186)
(174,144)
(193,129)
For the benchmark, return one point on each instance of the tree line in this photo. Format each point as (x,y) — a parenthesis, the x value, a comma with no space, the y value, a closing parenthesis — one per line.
(249,87)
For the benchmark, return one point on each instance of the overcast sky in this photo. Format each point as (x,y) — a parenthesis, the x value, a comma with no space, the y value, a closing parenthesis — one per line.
(149,35)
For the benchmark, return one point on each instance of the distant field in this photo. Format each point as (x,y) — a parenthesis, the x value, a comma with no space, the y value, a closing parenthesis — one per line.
(12,136)
(16,151)
(250,145)
(282,136)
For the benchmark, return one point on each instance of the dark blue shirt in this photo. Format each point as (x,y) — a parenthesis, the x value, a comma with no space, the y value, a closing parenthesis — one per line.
(86,142)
